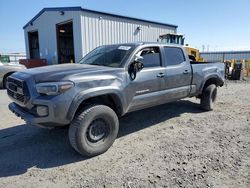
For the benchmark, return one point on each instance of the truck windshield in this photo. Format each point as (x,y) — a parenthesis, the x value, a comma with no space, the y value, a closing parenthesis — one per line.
(110,55)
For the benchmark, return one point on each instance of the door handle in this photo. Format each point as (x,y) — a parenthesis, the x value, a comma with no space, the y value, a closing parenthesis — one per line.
(160,75)
(185,72)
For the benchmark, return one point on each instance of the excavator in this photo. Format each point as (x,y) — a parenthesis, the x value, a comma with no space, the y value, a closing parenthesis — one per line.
(171,38)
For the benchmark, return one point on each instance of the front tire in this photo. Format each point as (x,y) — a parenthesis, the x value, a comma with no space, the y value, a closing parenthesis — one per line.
(5,82)
(208,97)
(94,130)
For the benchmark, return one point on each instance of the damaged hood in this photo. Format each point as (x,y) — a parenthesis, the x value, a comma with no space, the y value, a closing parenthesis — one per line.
(65,72)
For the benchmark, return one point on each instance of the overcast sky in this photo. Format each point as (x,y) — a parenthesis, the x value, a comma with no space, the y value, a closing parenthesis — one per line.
(216,24)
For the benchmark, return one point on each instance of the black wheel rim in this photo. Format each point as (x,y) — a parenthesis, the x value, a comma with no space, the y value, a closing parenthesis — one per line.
(97,130)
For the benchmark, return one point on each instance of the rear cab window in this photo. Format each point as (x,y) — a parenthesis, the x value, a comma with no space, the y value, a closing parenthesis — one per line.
(173,56)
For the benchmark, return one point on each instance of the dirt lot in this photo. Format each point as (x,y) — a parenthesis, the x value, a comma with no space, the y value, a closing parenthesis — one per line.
(173,145)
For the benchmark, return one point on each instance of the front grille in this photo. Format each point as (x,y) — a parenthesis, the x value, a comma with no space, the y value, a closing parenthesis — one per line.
(15,81)
(17,89)
(16,96)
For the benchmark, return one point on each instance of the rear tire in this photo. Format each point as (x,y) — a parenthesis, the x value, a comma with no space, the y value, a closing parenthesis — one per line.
(94,130)
(208,97)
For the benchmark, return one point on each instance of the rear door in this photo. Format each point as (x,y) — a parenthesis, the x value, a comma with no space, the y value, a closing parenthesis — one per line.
(178,74)
(145,89)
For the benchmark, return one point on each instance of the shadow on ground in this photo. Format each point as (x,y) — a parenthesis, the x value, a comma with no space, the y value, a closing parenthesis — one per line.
(23,147)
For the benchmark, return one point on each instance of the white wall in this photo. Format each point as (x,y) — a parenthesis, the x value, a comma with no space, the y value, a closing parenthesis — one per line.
(46,26)
(97,31)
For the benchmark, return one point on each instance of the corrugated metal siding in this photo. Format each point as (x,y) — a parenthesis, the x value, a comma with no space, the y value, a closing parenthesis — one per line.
(90,31)
(100,29)
(220,56)
(45,24)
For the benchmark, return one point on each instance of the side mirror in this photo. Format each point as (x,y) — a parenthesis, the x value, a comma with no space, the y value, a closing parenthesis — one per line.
(139,66)
(135,66)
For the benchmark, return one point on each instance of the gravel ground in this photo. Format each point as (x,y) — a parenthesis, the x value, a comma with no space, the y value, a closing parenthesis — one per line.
(173,145)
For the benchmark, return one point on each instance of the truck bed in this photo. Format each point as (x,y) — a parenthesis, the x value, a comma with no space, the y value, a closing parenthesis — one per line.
(203,70)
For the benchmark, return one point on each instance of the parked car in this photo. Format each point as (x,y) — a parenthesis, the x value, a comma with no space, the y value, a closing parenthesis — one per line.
(106,84)
(7,69)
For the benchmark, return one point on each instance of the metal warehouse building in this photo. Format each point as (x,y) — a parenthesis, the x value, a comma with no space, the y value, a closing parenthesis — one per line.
(63,35)
(226,55)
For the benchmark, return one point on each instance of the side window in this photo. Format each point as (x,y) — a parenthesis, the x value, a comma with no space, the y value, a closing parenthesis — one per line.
(173,56)
(151,57)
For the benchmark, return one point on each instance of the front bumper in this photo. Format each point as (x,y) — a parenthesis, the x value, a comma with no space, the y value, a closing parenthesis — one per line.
(49,121)
(26,100)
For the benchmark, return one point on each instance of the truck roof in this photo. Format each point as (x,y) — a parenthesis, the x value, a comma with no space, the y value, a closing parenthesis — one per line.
(147,43)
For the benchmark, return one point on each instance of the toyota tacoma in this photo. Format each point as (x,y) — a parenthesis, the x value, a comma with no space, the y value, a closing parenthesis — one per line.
(106,84)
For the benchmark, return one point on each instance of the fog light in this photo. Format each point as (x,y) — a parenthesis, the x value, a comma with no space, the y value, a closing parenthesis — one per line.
(42,110)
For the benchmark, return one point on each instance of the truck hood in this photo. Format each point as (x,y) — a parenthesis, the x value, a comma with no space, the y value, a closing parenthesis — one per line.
(64,71)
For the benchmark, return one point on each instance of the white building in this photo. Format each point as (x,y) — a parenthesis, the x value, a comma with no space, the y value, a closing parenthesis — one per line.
(63,35)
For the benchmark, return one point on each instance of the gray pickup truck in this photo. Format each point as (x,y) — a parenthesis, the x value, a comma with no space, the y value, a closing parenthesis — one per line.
(107,83)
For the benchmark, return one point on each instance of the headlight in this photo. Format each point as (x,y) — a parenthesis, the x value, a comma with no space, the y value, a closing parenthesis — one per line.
(53,88)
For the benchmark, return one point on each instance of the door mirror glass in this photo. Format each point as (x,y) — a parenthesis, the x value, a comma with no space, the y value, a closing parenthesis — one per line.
(135,66)
(139,66)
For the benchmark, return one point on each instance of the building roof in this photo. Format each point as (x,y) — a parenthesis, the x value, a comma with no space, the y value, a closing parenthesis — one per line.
(227,52)
(93,11)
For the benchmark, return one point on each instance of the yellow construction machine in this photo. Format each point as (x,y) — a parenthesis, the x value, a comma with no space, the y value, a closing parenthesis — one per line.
(179,39)
(248,68)
(194,52)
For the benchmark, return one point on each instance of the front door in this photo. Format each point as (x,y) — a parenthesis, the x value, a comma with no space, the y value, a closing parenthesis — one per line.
(34,45)
(149,81)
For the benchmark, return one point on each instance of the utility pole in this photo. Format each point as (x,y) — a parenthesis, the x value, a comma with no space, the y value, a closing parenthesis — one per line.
(203,48)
